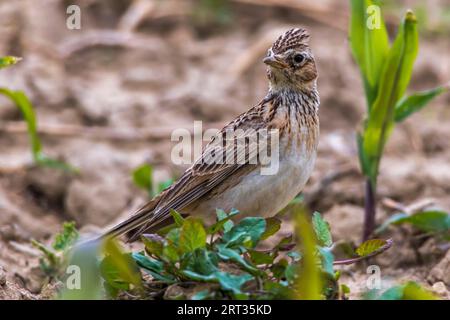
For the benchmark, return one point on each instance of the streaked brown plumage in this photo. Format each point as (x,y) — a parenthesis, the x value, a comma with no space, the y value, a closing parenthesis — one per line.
(291,106)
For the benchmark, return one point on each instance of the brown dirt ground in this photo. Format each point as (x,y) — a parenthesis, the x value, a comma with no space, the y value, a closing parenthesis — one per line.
(173,69)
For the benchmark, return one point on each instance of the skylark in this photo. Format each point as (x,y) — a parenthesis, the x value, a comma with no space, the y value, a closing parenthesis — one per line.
(289,111)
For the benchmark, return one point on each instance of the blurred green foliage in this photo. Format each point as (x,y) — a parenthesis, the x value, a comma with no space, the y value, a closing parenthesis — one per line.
(24,104)
(386,71)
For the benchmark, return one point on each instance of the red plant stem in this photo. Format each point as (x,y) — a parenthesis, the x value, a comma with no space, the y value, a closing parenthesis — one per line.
(369,210)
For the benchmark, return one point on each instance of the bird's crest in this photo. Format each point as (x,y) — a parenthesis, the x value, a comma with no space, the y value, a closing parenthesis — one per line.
(291,39)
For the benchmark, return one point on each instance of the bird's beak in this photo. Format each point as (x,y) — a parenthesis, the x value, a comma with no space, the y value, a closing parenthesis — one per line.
(274,61)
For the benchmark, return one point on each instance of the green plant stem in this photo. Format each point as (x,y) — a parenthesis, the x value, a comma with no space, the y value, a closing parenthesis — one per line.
(369,209)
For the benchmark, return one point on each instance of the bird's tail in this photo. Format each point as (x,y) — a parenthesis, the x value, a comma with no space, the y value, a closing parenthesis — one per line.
(141,219)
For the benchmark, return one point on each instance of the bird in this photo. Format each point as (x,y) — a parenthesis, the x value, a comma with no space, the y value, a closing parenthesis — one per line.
(289,112)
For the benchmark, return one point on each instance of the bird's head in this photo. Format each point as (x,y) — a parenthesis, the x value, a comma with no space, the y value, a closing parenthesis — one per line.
(291,62)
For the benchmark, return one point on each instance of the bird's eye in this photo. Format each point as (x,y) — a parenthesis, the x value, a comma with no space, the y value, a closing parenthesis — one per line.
(298,58)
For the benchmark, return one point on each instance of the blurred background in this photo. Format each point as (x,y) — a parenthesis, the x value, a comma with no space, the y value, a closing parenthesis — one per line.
(107,97)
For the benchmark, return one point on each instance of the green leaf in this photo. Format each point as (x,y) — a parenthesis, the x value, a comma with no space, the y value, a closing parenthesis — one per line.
(370,246)
(27,110)
(273,224)
(170,253)
(228,254)
(259,257)
(291,272)
(369,43)
(179,220)
(309,282)
(391,220)
(202,261)
(143,177)
(112,276)
(8,61)
(123,264)
(415,102)
(247,233)
(154,267)
(278,291)
(327,259)
(413,291)
(223,221)
(345,289)
(409,291)
(153,244)
(322,230)
(428,221)
(192,235)
(201,295)
(227,281)
(66,238)
(394,79)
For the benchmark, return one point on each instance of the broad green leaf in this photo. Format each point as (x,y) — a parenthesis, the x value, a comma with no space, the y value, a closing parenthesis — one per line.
(179,220)
(192,235)
(8,61)
(153,244)
(170,253)
(394,293)
(224,222)
(394,79)
(233,282)
(123,263)
(327,259)
(309,283)
(201,295)
(391,220)
(413,291)
(247,233)
(279,291)
(227,281)
(143,177)
(203,262)
(273,224)
(370,246)
(66,238)
(112,276)
(285,244)
(322,230)
(152,266)
(228,254)
(415,102)
(222,215)
(278,269)
(345,289)
(428,221)
(259,257)
(409,291)
(291,272)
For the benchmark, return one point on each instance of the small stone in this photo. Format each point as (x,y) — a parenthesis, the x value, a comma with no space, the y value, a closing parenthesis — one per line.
(2,276)
(440,272)
(440,289)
